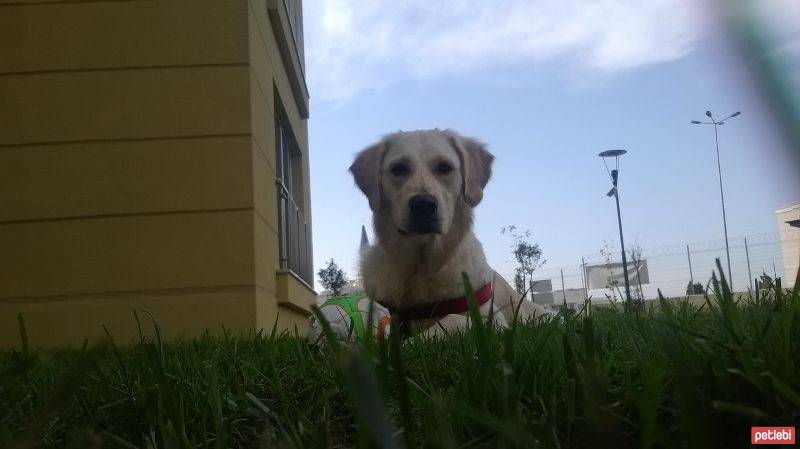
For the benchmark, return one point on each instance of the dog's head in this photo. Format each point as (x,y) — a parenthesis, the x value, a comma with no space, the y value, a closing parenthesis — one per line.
(420,180)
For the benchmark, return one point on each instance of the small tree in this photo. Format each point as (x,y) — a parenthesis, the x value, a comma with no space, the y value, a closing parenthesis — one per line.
(527,254)
(611,284)
(519,283)
(332,278)
(635,253)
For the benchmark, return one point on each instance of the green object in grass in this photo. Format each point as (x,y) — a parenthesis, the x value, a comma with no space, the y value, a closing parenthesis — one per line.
(349,309)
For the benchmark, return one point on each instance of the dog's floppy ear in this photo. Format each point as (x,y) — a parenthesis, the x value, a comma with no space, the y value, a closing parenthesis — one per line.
(476,166)
(366,170)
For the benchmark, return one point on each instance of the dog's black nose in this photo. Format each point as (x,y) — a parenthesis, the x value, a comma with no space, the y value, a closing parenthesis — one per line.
(422,206)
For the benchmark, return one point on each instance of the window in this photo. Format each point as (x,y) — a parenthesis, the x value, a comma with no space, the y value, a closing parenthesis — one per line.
(295,232)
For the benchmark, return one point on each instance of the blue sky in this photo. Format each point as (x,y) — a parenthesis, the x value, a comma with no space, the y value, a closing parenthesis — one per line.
(548,86)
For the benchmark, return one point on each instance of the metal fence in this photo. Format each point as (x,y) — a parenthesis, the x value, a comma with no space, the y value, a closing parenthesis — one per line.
(672,268)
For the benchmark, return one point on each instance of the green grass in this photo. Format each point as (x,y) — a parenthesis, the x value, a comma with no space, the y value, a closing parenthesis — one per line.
(672,376)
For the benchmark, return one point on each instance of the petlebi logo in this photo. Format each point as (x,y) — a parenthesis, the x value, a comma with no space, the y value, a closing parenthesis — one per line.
(772,435)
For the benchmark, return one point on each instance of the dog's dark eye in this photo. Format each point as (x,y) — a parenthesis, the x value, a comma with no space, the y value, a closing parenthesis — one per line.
(443,168)
(399,170)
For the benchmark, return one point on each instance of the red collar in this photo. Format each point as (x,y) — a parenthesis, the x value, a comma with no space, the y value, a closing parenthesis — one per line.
(442,308)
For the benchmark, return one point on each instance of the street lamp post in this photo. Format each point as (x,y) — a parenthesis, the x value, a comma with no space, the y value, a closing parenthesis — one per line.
(615,193)
(717,124)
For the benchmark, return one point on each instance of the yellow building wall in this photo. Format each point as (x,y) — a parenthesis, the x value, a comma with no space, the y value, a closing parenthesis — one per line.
(268,74)
(137,165)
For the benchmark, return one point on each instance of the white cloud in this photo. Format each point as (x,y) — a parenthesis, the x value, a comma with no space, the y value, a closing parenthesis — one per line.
(363,44)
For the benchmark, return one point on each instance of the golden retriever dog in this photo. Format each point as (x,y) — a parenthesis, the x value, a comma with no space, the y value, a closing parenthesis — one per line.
(422,187)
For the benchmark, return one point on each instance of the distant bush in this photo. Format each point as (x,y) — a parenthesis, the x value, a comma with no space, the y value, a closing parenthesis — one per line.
(695,289)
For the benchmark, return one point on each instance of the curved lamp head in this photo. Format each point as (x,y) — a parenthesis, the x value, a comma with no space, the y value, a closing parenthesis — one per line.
(695,122)
(736,113)
(708,113)
(612,153)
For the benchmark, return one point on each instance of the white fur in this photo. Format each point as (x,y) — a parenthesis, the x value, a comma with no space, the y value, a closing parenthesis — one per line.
(408,270)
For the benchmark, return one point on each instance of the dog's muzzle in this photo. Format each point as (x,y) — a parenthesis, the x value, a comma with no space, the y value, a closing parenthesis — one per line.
(424,217)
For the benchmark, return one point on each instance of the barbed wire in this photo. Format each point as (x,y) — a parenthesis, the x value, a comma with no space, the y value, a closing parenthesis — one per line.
(708,245)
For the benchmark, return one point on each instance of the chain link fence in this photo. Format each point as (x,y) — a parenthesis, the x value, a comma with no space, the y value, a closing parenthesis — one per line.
(671,269)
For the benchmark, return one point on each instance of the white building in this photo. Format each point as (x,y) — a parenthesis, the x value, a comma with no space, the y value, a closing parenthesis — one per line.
(789,228)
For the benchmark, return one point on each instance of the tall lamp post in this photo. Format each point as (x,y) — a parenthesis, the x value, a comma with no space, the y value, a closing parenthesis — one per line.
(614,174)
(717,124)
